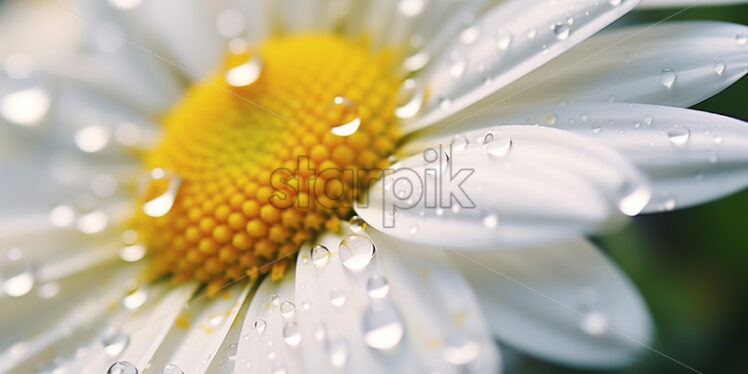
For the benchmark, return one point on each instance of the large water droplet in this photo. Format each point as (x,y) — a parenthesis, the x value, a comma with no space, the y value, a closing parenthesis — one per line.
(245,74)
(320,255)
(667,77)
(17,273)
(25,106)
(382,325)
(114,341)
(678,136)
(122,367)
(411,8)
(457,64)
(345,117)
(135,300)
(356,251)
(162,204)
(561,30)
(62,216)
(357,224)
(171,369)
(634,198)
(337,298)
(287,308)
(460,349)
(416,61)
(496,147)
(337,351)
(377,287)
(410,99)
(291,334)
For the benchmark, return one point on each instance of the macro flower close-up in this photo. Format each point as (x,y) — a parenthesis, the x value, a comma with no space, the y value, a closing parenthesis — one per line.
(384,186)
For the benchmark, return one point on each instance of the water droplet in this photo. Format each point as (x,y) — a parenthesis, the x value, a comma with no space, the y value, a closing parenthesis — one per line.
(92,139)
(49,290)
(62,216)
(135,300)
(337,298)
(357,224)
(496,147)
(667,77)
(678,136)
(445,103)
(114,341)
(306,306)
(719,68)
(377,286)
(459,349)
(17,273)
(171,369)
(615,2)
(215,320)
(260,325)
(132,253)
(411,8)
(291,334)
(287,308)
(413,230)
(594,323)
(634,198)
(382,326)
(457,64)
(320,255)
(490,220)
(416,61)
(275,300)
(125,4)
(596,130)
(230,22)
(741,39)
(92,223)
(470,34)
(718,140)
(162,204)
(459,141)
(245,74)
(531,33)
(356,251)
(346,120)
(25,107)
(648,120)
(410,99)
(503,39)
(122,367)
(337,351)
(561,30)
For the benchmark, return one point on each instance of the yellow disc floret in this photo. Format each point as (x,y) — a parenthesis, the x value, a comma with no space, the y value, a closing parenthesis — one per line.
(270,152)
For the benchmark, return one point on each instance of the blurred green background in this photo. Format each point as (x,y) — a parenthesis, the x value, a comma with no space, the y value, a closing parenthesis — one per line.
(690,265)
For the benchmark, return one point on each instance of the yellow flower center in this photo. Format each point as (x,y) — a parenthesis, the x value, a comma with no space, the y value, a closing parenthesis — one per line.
(265,155)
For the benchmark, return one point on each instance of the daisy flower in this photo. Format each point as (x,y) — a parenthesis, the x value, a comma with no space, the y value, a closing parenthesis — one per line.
(342,186)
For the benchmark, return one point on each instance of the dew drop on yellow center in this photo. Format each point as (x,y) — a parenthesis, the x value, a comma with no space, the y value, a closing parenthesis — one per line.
(316,98)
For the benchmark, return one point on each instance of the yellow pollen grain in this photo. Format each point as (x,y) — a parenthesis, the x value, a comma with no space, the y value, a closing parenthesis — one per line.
(232,215)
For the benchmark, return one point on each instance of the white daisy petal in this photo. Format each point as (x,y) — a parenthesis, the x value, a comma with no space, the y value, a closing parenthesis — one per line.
(510,40)
(687,3)
(209,320)
(679,63)
(504,197)
(300,16)
(690,157)
(565,303)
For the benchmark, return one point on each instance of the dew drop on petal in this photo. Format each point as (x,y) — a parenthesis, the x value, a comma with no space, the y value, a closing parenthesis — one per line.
(346,121)
(678,136)
(291,334)
(19,284)
(457,64)
(260,325)
(357,224)
(132,253)
(125,4)
(470,34)
(459,141)
(356,251)
(503,39)
(377,286)
(634,198)
(25,107)
(135,300)
(416,61)
(122,367)
(561,30)
(160,205)
(171,369)
(460,349)
(594,323)
(445,103)
(719,68)
(320,255)
(741,39)
(490,220)
(62,216)
(337,351)
(114,341)
(615,2)
(497,147)
(337,298)
(382,326)
(596,130)
(411,8)
(49,290)
(410,99)
(245,74)
(531,33)
(287,308)
(667,78)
